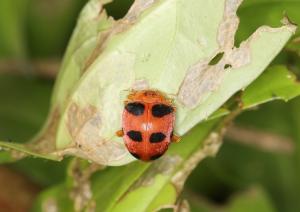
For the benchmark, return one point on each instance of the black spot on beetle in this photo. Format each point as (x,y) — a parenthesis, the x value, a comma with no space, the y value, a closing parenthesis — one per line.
(135,135)
(135,155)
(154,157)
(157,137)
(135,108)
(161,110)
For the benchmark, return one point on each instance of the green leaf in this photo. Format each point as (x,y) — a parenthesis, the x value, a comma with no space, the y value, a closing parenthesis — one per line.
(275,83)
(294,46)
(23,149)
(91,25)
(149,180)
(154,178)
(12,37)
(137,53)
(150,195)
(267,12)
(56,198)
(219,113)
(254,199)
(276,171)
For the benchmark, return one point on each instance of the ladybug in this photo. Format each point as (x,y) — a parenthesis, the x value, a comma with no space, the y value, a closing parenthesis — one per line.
(147,124)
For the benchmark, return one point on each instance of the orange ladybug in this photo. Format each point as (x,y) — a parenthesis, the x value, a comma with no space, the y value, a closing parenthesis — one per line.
(147,124)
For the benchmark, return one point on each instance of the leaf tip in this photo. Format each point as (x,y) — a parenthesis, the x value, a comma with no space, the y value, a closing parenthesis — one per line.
(286,21)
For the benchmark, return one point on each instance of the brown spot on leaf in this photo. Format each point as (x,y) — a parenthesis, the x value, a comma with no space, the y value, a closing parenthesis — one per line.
(204,77)
(84,125)
(229,24)
(210,148)
(81,191)
(182,206)
(78,118)
(17,155)
(138,7)
(45,141)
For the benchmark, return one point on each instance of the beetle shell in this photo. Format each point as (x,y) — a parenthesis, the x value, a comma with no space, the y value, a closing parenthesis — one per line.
(147,123)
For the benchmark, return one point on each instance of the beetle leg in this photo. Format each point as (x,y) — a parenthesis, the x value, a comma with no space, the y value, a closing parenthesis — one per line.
(131,95)
(175,138)
(120,133)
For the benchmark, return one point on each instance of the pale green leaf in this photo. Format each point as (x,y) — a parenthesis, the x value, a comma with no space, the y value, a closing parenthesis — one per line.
(92,22)
(165,45)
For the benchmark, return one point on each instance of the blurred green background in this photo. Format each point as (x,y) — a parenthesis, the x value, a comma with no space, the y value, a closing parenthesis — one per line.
(246,175)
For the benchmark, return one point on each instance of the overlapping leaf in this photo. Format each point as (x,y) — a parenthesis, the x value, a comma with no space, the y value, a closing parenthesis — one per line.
(148,182)
(138,56)
(165,45)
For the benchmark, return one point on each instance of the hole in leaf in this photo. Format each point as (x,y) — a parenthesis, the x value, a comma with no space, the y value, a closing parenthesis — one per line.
(227,66)
(118,8)
(216,59)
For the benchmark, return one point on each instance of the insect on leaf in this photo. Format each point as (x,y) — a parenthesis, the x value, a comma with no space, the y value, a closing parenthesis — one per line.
(166,45)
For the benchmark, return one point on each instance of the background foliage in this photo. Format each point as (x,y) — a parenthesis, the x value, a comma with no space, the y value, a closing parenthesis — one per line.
(244,176)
